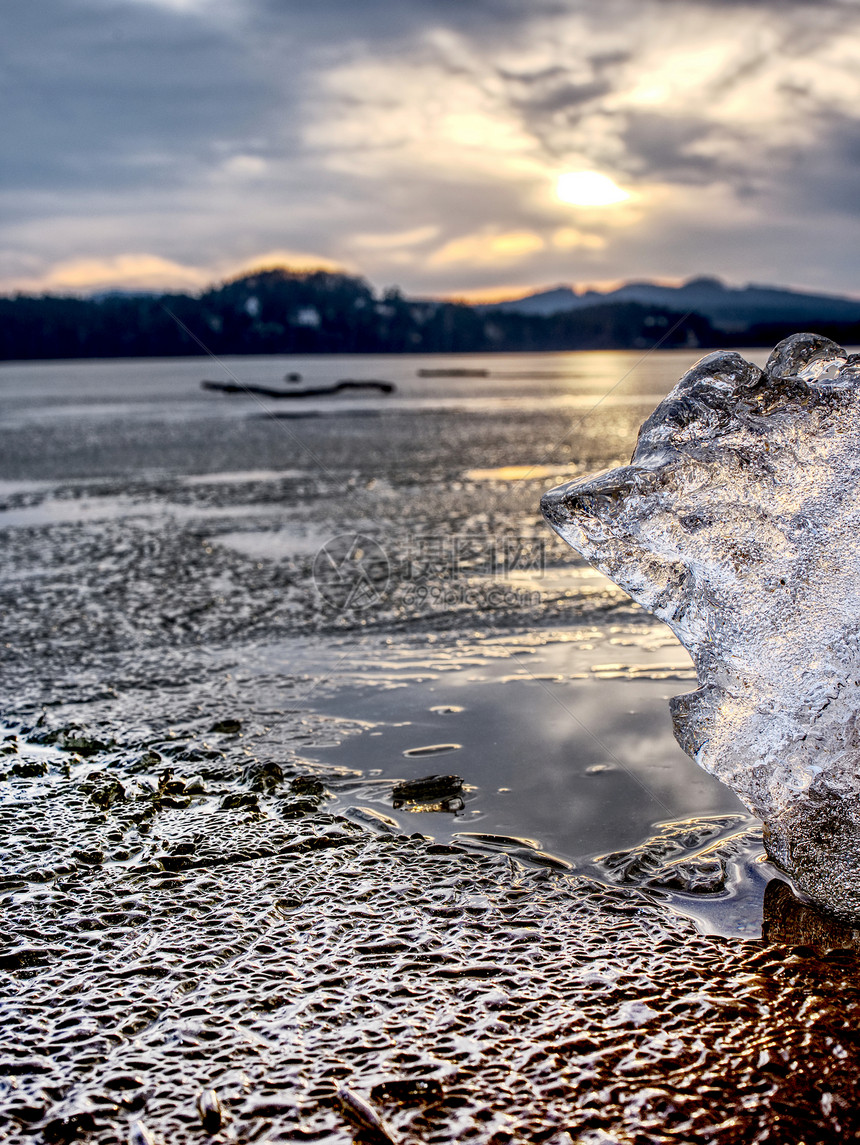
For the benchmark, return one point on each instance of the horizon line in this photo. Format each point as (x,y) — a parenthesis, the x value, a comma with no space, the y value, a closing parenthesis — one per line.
(478,296)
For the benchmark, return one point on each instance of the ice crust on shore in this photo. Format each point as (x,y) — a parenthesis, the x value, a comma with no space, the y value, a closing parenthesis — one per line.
(737,523)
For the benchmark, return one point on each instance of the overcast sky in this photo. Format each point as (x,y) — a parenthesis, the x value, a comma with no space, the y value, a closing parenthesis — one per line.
(170,143)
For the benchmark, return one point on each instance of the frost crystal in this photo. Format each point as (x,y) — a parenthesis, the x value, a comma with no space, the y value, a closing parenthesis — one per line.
(738,524)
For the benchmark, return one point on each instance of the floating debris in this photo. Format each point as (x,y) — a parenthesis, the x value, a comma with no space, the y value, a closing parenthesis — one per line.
(433,749)
(408,1091)
(139,1134)
(459,372)
(431,793)
(365,384)
(429,787)
(210,1111)
(363,1114)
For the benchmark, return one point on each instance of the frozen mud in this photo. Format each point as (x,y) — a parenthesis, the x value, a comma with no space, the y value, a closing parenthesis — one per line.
(215,924)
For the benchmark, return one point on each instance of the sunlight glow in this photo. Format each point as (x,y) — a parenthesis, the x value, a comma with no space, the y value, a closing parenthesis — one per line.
(392,240)
(589,189)
(136,271)
(570,238)
(488,249)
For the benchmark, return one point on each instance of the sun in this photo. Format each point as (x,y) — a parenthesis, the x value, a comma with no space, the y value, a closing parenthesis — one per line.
(589,189)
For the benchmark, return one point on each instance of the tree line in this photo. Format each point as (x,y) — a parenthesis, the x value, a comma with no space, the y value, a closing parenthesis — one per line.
(288,312)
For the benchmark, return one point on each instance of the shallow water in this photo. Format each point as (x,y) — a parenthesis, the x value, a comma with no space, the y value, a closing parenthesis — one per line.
(540,756)
(561,754)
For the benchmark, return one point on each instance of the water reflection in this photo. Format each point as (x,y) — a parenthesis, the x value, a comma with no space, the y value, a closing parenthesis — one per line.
(553,740)
(789,921)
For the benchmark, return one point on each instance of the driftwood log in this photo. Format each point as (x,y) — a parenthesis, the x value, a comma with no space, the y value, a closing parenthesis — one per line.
(314,392)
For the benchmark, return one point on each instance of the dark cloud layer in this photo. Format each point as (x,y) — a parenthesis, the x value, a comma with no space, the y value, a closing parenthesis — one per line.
(664,148)
(93,92)
(375,21)
(419,140)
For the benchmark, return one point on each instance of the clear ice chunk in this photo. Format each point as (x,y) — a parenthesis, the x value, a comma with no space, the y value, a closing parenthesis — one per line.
(737,523)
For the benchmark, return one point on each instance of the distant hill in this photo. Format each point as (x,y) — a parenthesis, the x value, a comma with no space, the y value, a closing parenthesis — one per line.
(729,309)
(279,311)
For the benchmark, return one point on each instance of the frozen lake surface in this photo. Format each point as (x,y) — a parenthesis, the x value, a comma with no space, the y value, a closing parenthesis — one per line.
(235,647)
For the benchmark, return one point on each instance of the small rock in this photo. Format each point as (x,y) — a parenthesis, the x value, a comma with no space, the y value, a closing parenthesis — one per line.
(63,1129)
(71,739)
(28,769)
(373,819)
(104,790)
(263,776)
(430,787)
(240,799)
(167,785)
(307,785)
(228,727)
(296,808)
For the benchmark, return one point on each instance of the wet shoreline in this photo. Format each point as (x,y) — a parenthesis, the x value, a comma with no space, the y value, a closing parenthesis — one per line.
(208,885)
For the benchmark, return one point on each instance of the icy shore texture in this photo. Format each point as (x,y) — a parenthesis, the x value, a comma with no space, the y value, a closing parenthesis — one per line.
(738,524)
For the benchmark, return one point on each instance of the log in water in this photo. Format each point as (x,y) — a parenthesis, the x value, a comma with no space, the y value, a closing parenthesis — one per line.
(313,392)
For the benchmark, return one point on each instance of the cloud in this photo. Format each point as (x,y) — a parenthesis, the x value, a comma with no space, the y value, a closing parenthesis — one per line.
(416,236)
(824,177)
(120,93)
(672,148)
(148,272)
(423,138)
(296,260)
(571,238)
(488,249)
(385,22)
(121,272)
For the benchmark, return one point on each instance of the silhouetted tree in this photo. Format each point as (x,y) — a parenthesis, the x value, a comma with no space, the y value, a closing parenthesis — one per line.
(279,311)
